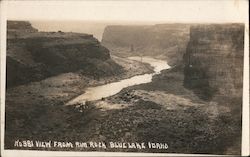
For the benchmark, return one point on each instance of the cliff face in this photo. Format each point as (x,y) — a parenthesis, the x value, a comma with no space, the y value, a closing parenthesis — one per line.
(214,60)
(33,55)
(166,41)
(15,28)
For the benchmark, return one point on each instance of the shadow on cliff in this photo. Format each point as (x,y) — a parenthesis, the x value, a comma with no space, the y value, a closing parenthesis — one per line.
(196,78)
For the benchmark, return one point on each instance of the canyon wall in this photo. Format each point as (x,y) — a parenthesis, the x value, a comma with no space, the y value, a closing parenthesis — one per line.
(165,41)
(34,55)
(214,60)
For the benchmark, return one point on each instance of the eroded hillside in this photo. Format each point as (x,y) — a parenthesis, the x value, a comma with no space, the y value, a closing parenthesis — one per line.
(33,55)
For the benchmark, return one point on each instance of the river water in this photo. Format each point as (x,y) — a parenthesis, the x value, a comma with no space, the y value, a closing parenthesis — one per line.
(98,92)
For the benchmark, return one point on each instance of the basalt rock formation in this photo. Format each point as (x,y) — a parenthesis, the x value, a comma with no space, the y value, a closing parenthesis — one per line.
(214,60)
(165,41)
(34,55)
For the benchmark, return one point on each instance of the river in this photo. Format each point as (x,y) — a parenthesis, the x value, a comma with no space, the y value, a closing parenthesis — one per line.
(103,91)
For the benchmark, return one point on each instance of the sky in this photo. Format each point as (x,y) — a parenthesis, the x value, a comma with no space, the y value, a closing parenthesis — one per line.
(124,10)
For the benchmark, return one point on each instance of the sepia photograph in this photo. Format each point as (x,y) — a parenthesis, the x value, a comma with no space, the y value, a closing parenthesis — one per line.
(139,77)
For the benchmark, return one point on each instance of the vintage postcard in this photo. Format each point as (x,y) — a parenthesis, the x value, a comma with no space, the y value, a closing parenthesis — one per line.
(124,78)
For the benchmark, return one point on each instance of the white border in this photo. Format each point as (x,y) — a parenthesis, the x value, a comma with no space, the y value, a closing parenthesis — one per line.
(2,70)
(245,108)
(245,146)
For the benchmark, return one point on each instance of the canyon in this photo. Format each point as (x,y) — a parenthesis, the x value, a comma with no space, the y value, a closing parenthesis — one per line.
(200,97)
(194,107)
(163,41)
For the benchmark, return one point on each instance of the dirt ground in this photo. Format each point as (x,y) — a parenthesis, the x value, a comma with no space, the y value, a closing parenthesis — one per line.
(165,111)
(29,107)
(161,111)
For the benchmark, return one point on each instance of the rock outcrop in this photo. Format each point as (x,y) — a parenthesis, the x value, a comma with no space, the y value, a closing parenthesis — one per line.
(34,55)
(165,41)
(214,60)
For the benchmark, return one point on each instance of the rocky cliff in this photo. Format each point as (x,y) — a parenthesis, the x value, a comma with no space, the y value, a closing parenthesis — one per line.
(214,60)
(34,55)
(165,41)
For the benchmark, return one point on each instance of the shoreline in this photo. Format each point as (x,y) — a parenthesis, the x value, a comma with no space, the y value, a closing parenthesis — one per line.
(37,108)
(145,112)
(161,108)
(75,84)
(98,92)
